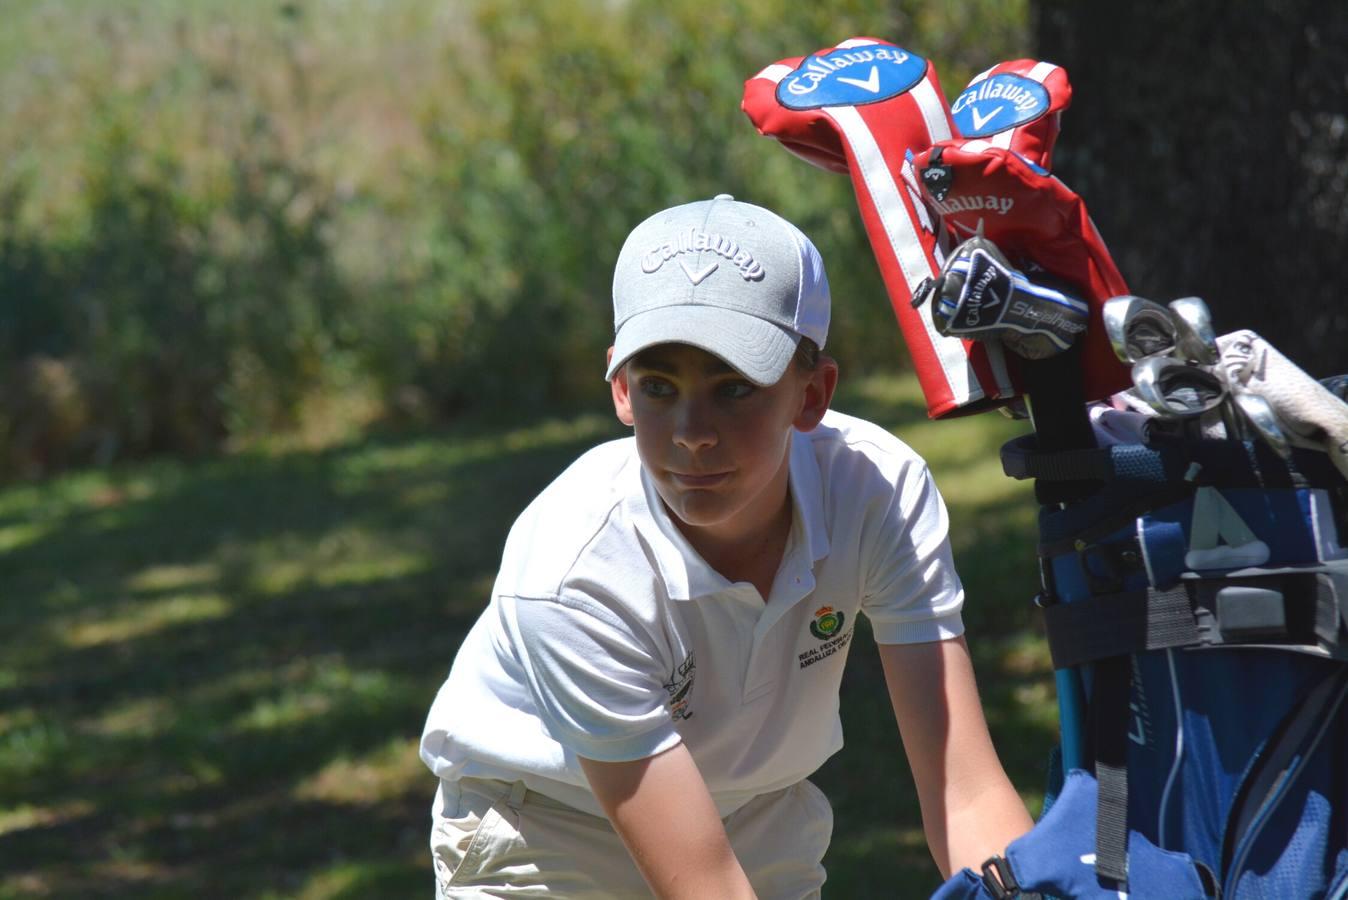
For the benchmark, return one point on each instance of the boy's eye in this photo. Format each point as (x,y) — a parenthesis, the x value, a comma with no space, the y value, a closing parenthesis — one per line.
(737,390)
(656,387)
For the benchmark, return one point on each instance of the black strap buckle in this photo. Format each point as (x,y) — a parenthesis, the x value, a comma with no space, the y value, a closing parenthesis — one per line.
(1001,882)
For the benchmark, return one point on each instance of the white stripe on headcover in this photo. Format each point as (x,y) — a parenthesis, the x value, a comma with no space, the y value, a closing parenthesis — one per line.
(856,42)
(1040,71)
(980,76)
(979,146)
(902,236)
(933,110)
(775,73)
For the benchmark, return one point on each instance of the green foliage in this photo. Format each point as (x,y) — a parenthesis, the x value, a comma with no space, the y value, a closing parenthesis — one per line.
(220,212)
(184,299)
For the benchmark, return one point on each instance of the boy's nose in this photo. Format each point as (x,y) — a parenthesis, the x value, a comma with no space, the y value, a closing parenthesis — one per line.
(693,430)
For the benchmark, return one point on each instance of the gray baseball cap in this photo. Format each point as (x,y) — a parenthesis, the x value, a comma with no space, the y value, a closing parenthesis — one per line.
(728,277)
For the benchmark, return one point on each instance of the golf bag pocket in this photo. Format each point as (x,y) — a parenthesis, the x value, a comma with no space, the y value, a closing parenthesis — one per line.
(1196,610)
(1057,859)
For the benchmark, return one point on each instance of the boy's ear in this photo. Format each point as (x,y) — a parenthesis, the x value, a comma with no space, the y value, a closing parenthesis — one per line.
(819,387)
(622,397)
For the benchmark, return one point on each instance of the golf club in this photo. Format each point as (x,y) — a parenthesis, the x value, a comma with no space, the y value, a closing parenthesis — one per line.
(1138,328)
(1194,337)
(1177,389)
(1260,414)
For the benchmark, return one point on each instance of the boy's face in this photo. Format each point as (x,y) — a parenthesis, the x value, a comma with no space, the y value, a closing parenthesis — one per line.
(714,443)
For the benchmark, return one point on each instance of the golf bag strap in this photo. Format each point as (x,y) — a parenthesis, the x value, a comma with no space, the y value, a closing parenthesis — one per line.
(1110,695)
(1022,458)
(1108,625)
(1295,610)
(1219,463)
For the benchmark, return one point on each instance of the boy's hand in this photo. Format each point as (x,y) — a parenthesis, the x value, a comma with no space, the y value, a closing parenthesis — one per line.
(662,810)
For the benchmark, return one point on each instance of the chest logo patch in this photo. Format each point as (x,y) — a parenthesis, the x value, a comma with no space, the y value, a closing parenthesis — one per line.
(680,688)
(826,623)
(827,626)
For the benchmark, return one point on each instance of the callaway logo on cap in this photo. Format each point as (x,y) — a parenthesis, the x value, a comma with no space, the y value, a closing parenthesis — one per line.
(731,278)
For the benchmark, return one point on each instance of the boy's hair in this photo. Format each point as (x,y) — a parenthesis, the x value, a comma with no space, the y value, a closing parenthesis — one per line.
(807,355)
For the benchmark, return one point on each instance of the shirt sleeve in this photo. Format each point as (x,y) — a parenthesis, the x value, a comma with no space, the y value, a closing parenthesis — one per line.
(912,592)
(596,678)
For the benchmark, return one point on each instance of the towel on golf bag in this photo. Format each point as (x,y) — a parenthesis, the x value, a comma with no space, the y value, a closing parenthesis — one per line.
(863,108)
(1211,704)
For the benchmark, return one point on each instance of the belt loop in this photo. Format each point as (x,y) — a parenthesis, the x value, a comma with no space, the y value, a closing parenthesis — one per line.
(517,792)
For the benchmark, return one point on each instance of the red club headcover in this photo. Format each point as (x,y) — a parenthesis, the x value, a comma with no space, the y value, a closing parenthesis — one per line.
(1016,106)
(876,112)
(996,174)
(865,108)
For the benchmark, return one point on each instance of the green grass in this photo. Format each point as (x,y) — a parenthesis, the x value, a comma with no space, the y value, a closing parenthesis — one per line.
(213,676)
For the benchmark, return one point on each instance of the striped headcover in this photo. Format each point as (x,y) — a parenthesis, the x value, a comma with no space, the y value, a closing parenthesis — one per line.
(874,111)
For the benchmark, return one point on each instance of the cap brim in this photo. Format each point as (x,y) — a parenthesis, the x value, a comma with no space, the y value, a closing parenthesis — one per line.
(757,349)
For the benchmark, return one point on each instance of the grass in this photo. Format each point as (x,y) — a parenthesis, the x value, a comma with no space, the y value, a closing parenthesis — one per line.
(213,676)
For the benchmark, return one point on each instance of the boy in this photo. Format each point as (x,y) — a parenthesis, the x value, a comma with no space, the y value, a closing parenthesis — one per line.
(657,672)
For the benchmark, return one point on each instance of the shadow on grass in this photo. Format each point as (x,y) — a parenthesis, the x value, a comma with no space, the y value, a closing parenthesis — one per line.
(212,678)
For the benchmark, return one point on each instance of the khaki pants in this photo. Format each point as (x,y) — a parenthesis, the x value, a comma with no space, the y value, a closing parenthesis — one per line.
(493,839)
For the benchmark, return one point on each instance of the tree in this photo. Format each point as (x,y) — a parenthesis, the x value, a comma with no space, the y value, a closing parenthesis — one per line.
(1210,140)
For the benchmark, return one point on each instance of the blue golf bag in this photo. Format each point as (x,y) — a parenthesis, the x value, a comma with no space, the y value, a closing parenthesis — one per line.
(1196,608)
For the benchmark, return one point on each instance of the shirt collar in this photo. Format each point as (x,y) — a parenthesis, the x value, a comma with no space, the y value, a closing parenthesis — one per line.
(685,574)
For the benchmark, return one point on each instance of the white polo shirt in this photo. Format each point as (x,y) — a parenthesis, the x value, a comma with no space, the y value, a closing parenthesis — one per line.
(607,636)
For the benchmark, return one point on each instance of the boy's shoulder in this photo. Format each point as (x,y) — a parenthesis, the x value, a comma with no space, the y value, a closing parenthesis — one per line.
(580,516)
(846,441)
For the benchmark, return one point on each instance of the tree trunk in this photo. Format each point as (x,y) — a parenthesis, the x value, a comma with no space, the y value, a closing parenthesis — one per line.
(1210,140)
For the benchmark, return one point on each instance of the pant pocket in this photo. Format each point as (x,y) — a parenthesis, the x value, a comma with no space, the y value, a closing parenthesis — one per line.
(477,848)
(462,822)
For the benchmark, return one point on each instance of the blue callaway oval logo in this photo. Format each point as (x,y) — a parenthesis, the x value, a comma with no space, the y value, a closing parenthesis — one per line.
(997,103)
(851,76)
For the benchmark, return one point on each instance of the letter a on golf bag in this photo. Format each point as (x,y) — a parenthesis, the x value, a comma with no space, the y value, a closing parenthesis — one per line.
(1196,607)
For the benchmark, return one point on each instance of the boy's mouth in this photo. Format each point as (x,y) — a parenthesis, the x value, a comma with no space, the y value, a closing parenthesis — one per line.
(701,480)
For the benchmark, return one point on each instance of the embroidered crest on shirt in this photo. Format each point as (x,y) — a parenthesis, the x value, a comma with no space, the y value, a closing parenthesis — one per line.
(680,687)
(827,627)
(826,622)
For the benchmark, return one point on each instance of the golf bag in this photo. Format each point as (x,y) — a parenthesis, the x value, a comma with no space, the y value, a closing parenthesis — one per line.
(1195,591)
(1204,712)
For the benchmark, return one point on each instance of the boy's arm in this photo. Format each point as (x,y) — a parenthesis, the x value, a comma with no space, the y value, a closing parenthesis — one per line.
(970,811)
(662,810)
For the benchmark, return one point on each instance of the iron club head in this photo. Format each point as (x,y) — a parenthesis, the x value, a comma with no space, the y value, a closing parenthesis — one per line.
(1260,414)
(1175,389)
(1138,328)
(1194,337)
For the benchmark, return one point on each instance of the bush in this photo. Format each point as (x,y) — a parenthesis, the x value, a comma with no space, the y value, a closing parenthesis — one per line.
(181,306)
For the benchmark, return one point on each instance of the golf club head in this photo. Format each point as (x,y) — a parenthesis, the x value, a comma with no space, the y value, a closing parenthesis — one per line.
(1175,389)
(1194,337)
(1138,328)
(1261,416)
